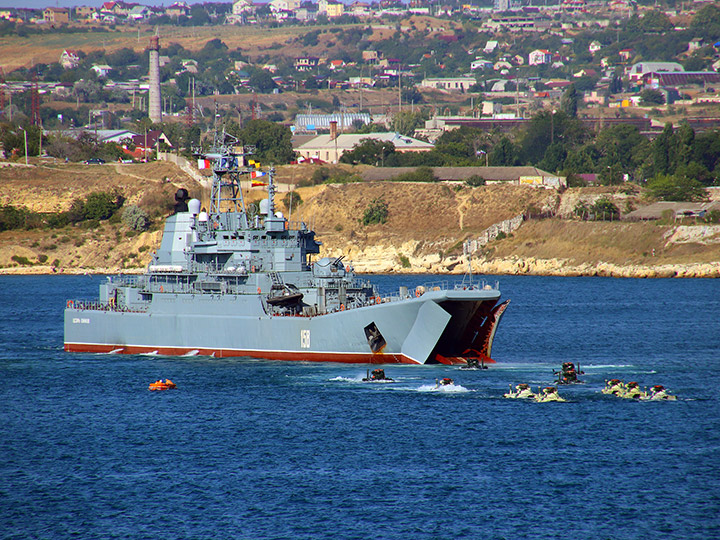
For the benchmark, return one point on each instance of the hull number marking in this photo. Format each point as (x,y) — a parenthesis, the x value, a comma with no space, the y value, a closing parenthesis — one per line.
(305,339)
(77,320)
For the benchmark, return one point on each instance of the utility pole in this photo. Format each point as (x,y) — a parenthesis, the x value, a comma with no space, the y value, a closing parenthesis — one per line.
(26,151)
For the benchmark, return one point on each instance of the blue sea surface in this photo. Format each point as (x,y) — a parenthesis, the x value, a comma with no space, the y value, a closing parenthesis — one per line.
(270,450)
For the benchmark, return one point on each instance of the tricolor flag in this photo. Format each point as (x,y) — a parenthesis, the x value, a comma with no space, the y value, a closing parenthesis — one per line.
(204,164)
(257,174)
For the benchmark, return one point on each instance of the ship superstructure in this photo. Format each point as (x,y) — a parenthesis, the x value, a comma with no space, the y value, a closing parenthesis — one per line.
(238,280)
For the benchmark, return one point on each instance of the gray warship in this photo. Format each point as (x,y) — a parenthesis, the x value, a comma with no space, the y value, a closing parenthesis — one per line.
(238,280)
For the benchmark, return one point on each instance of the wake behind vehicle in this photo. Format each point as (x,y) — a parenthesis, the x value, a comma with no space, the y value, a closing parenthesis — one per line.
(233,281)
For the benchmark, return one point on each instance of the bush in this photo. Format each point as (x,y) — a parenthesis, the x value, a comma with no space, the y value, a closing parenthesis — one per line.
(605,210)
(713,216)
(475,180)
(421,174)
(21,260)
(102,205)
(404,261)
(12,218)
(376,212)
(292,199)
(136,218)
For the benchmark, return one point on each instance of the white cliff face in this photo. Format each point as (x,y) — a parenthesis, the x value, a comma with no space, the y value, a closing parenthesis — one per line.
(693,234)
(385,259)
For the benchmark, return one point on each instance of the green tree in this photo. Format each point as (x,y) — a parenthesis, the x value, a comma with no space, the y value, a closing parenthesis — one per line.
(272,141)
(504,154)
(650,96)
(369,152)
(663,150)
(569,101)
(262,81)
(674,188)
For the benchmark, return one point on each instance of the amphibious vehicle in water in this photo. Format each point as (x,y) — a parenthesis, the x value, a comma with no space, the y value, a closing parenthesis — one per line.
(235,281)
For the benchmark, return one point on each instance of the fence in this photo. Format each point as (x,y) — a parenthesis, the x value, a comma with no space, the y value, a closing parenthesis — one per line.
(492,232)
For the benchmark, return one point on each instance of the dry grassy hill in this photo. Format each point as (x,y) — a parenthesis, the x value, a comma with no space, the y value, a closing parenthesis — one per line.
(424,231)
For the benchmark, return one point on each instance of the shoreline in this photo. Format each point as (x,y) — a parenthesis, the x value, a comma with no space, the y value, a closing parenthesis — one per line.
(514,266)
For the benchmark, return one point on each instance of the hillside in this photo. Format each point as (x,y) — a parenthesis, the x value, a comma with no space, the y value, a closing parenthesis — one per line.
(424,231)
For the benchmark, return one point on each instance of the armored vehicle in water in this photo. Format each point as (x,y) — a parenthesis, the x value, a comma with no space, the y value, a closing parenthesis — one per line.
(232,281)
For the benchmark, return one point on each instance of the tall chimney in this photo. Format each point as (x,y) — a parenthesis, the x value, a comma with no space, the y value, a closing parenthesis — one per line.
(333,130)
(154,101)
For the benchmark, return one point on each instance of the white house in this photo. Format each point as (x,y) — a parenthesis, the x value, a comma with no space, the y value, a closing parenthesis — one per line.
(490,46)
(331,147)
(101,70)
(594,47)
(139,13)
(457,84)
(69,59)
(480,64)
(539,56)
(641,68)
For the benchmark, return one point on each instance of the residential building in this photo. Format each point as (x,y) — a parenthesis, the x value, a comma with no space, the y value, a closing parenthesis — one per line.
(332,8)
(178,9)
(641,68)
(306,63)
(539,56)
(626,54)
(456,84)
(480,64)
(331,147)
(370,57)
(85,12)
(322,122)
(69,59)
(242,6)
(101,70)
(139,13)
(56,15)
(695,44)
(307,11)
(359,9)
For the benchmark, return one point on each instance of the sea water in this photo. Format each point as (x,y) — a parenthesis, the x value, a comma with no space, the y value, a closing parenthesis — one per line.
(269,450)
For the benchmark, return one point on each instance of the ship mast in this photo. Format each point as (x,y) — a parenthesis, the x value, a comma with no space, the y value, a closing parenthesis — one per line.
(228,161)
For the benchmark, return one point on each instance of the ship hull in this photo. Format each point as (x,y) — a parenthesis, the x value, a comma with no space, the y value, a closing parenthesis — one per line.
(437,327)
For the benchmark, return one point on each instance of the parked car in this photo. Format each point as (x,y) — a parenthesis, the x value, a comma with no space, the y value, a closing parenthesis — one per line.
(94,161)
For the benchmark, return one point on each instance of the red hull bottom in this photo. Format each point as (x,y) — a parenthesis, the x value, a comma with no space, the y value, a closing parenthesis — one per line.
(345,358)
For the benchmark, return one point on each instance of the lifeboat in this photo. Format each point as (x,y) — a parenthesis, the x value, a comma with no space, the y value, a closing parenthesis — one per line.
(162,384)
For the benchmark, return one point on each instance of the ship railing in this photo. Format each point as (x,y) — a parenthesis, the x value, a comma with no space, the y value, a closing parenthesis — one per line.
(125,280)
(97,305)
(478,284)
